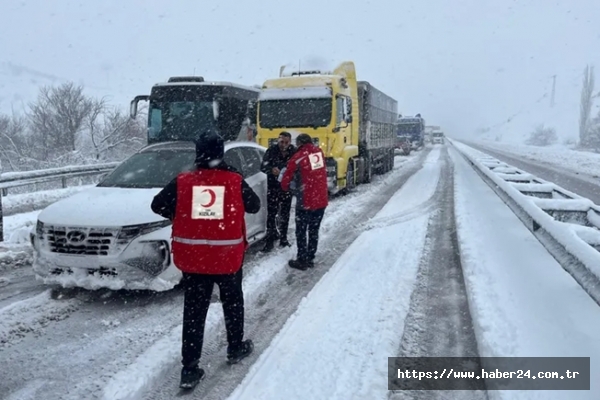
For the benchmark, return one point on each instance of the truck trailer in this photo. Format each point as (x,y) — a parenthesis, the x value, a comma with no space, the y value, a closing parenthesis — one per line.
(352,122)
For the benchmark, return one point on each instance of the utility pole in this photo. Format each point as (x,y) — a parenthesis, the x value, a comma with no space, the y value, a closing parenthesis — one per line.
(553,90)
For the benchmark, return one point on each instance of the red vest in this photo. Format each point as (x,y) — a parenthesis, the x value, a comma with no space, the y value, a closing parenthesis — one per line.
(209,230)
(306,170)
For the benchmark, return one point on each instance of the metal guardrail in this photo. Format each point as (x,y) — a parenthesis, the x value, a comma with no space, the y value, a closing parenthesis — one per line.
(17,179)
(566,224)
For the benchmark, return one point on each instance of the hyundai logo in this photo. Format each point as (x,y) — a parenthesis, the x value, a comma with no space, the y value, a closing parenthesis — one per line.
(76,236)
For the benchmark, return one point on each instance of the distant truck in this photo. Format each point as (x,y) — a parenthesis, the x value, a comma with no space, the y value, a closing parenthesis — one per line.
(428,131)
(437,137)
(184,106)
(351,121)
(414,127)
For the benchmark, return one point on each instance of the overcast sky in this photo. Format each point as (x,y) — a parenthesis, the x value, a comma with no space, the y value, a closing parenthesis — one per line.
(463,64)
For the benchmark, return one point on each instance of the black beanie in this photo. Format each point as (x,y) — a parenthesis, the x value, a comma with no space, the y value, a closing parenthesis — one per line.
(209,147)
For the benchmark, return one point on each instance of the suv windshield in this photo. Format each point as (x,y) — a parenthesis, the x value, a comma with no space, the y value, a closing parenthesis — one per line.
(150,170)
(295,113)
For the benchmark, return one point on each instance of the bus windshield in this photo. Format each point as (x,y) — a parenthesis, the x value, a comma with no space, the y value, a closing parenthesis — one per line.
(180,120)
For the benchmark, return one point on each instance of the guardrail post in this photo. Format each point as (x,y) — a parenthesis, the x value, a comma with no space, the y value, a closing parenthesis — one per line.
(64,182)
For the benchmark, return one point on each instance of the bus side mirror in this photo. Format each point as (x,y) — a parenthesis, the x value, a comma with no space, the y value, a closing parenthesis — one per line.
(133,106)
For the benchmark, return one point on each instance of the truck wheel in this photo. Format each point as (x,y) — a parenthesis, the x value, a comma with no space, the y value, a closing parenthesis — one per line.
(368,170)
(385,164)
(350,179)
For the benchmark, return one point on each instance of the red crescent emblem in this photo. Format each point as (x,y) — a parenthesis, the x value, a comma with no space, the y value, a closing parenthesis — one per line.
(213,198)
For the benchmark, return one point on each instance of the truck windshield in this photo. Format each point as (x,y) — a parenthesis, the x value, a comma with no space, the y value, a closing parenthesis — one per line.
(149,170)
(409,129)
(179,120)
(295,113)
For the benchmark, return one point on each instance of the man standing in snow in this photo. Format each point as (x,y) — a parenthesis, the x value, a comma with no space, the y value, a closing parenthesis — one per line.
(278,201)
(207,207)
(306,176)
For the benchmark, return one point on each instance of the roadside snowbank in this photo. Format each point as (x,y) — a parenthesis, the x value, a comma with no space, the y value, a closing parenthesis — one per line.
(20,203)
(563,157)
(16,250)
(565,237)
(522,301)
(336,344)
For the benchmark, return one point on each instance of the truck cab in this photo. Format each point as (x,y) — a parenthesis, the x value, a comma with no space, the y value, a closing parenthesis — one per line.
(437,137)
(321,104)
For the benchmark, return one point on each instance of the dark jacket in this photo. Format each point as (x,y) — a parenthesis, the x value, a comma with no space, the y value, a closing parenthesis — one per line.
(274,158)
(164,202)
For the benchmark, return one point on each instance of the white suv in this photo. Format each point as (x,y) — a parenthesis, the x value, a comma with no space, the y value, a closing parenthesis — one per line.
(108,237)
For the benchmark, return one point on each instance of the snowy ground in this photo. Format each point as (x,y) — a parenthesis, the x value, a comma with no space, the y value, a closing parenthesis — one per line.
(580,162)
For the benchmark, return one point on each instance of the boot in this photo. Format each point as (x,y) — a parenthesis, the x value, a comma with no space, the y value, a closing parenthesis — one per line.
(190,377)
(296,264)
(236,355)
(269,246)
(284,243)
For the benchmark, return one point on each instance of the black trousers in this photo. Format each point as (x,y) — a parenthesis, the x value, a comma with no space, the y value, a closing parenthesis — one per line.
(198,291)
(278,202)
(308,222)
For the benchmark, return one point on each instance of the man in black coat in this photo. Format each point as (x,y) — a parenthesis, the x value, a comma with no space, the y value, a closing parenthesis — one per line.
(278,200)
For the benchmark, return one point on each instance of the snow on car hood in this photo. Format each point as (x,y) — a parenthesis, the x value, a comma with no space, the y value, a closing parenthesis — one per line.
(103,206)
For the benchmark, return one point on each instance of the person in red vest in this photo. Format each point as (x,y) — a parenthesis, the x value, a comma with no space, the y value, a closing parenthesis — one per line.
(306,176)
(207,207)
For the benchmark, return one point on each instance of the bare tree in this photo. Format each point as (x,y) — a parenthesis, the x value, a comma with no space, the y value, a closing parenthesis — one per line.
(542,136)
(16,145)
(115,132)
(586,105)
(58,116)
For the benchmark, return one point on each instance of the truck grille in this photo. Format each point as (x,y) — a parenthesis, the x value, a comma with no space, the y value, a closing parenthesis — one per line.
(82,241)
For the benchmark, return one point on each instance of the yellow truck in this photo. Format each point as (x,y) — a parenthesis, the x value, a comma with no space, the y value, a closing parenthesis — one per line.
(352,122)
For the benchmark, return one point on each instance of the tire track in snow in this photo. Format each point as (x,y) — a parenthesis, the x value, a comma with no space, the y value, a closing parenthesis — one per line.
(32,316)
(439,321)
(268,313)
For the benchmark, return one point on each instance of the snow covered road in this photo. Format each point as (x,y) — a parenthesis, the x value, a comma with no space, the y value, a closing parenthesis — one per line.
(98,345)
(336,344)
(271,299)
(425,261)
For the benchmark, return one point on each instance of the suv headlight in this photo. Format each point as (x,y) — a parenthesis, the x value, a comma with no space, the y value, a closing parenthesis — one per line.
(128,233)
